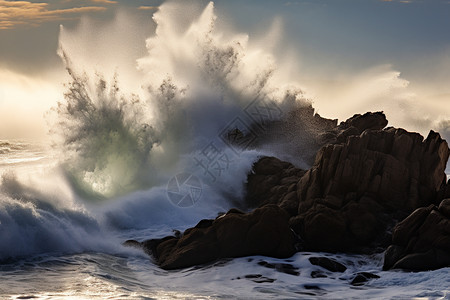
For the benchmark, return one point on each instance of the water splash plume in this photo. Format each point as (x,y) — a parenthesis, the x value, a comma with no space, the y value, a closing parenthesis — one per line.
(195,80)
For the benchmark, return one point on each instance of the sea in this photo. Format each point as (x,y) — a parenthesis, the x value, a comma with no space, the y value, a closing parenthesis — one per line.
(139,164)
(57,245)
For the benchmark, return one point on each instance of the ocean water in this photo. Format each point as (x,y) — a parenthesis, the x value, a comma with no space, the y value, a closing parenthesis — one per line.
(56,245)
(136,153)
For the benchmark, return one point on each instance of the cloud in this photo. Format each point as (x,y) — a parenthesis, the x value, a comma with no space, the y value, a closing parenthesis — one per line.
(16,13)
(84,2)
(148,7)
(104,1)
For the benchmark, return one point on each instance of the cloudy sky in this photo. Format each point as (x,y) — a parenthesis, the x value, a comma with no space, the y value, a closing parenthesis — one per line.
(349,55)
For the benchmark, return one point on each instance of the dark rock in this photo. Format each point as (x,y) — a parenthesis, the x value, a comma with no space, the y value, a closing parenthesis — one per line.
(355,190)
(328,263)
(264,231)
(364,179)
(281,267)
(393,254)
(444,192)
(273,181)
(367,121)
(266,264)
(176,233)
(444,207)
(132,243)
(311,287)
(362,278)
(258,278)
(253,276)
(205,223)
(422,241)
(361,183)
(287,269)
(418,261)
(318,274)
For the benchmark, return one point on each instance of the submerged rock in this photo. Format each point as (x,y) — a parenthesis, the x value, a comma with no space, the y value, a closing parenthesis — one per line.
(362,278)
(328,263)
(281,267)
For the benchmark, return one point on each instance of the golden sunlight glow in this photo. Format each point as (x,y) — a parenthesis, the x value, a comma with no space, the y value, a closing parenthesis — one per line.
(23,102)
(407,104)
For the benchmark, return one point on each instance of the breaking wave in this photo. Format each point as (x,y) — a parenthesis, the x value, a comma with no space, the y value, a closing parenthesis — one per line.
(197,83)
(121,150)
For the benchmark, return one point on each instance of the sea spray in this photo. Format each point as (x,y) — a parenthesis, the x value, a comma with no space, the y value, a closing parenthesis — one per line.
(105,134)
(196,82)
(123,145)
(38,218)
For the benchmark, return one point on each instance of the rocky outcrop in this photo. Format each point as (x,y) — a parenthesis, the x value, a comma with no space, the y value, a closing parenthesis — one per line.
(356,189)
(265,231)
(273,181)
(362,182)
(422,241)
(358,124)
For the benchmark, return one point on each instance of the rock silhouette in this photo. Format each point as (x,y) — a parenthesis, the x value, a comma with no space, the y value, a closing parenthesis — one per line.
(356,189)
(421,242)
(265,231)
(364,180)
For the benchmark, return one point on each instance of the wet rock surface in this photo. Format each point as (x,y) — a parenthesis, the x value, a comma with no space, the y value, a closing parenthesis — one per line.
(362,278)
(273,181)
(281,267)
(356,190)
(362,183)
(265,231)
(328,263)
